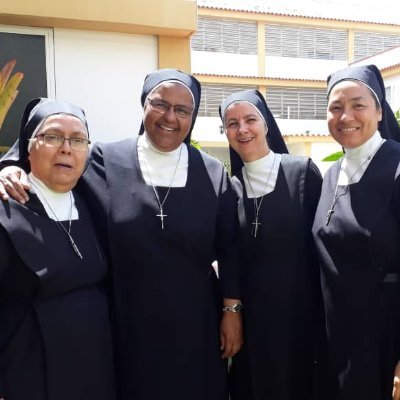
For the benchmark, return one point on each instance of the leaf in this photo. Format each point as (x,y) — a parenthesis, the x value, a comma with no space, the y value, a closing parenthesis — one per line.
(6,72)
(333,156)
(8,95)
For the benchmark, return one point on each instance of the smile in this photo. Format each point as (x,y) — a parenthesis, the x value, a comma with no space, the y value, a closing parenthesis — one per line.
(166,128)
(245,140)
(348,129)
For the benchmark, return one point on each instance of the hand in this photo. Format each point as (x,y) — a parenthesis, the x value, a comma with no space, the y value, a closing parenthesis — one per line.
(14,183)
(231,333)
(396,383)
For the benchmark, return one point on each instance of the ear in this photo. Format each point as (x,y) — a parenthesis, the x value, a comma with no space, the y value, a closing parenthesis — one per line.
(380,114)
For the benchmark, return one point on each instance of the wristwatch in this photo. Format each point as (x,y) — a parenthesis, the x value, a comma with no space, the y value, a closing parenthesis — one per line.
(237,307)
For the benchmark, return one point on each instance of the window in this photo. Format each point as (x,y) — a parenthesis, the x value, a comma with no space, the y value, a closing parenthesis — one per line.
(296,42)
(225,36)
(32,49)
(212,96)
(367,43)
(295,103)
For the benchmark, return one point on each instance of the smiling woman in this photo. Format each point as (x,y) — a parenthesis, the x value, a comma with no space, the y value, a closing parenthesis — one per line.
(357,232)
(277,196)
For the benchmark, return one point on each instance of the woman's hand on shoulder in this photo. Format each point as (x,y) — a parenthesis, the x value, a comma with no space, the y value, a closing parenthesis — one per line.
(14,183)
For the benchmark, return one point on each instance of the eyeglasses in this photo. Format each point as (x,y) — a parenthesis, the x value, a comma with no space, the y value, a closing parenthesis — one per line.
(162,107)
(57,141)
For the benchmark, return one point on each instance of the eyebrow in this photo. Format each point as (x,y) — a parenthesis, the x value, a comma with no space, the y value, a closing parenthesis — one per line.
(246,116)
(59,130)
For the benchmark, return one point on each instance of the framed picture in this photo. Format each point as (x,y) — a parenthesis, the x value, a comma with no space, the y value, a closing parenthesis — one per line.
(32,50)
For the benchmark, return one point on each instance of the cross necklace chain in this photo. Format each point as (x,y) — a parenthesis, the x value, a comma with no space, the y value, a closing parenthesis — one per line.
(161,214)
(258,201)
(59,223)
(337,195)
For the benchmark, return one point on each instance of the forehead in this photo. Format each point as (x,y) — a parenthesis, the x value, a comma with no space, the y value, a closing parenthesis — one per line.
(350,89)
(241,107)
(64,122)
(173,89)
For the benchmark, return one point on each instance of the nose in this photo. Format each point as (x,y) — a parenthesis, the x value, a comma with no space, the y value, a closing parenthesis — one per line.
(170,115)
(65,148)
(242,126)
(346,114)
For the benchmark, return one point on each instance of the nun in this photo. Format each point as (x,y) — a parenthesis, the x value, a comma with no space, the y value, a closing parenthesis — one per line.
(55,336)
(165,212)
(357,235)
(282,314)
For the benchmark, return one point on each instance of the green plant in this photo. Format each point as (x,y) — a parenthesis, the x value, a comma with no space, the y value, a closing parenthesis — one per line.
(333,156)
(195,144)
(397,115)
(8,88)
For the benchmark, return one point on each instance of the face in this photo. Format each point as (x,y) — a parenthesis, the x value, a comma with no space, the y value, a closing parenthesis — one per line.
(168,130)
(246,131)
(59,168)
(352,114)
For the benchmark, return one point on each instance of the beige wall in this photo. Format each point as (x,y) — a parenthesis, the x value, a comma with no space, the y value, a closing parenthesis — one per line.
(172,17)
(173,22)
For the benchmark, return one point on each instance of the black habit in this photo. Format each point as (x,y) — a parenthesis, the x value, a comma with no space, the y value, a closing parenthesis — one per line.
(55,337)
(280,285)
(167,309)
(360,257)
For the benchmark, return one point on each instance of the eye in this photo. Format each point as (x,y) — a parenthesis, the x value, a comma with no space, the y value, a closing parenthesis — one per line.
(182,111)
(359,106)
(231,124)
(52,138)
(78,140)
(334,108)
(162,105)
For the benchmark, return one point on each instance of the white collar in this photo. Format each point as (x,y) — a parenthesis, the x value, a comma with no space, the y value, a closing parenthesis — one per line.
(365,150)
(260,175)
(158,167)
(54,202)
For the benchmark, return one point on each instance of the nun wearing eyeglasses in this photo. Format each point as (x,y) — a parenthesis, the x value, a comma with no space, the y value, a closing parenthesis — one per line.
(357,234)
(55,335)
(166,211)
(282,314)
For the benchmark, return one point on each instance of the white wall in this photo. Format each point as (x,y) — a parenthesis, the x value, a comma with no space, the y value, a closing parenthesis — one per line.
(301,68)
(224,63)
(394,83)
(103,73)
(207,128)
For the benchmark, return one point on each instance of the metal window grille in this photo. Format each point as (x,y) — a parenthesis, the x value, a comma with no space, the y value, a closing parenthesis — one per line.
(297,42)
(212,96)
(225,36)
(296,103)
(368,43)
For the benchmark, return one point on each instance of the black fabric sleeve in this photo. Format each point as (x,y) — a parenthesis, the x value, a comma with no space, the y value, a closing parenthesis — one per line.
(5,260)
(12,158)
(226,241)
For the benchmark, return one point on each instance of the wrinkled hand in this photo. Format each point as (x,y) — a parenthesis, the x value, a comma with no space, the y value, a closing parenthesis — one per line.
(14,183)
(231,333)
(396,383)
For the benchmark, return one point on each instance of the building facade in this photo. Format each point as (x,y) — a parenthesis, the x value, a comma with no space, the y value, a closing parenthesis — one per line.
(288,58)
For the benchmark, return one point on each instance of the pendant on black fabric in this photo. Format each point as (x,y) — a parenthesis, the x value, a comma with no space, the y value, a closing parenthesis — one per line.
(160,202)
(256,225)
(75,247)
(162,216)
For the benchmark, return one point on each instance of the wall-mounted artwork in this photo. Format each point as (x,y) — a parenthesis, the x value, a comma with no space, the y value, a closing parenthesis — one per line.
(23,61)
